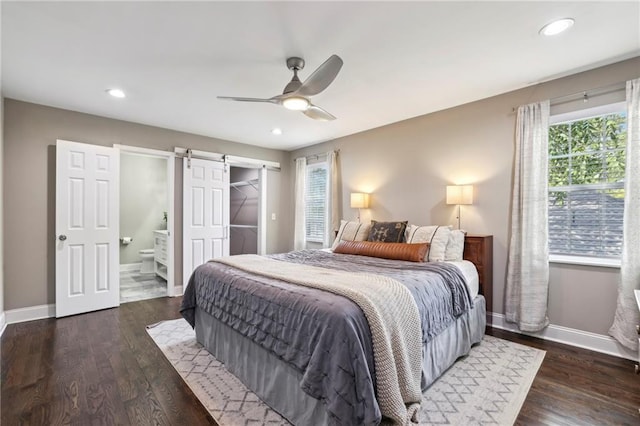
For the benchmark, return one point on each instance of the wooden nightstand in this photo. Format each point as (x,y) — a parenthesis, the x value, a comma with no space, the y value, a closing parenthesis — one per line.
(478,249)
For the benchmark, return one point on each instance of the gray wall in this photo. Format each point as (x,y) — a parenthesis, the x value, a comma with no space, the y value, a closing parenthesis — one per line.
(1,208)
(406,166)
(30,133)
(143,200)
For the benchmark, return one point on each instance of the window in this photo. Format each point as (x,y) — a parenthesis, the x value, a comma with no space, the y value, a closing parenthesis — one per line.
(316,202)
(586,182)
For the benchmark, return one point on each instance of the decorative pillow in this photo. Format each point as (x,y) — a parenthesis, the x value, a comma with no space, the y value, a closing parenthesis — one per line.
(387,232)
(351,231)
(395,251)
(436,236)
(455,245)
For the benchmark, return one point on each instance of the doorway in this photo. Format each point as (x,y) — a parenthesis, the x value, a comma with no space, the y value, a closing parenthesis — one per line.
(146,218)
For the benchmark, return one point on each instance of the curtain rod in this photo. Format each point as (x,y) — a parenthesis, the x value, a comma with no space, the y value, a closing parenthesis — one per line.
(316,156)
(585,95)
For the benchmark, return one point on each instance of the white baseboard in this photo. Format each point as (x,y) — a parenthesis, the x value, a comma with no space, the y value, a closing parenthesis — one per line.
(31,313)
(571,336)
(127,267)
(3,323)
(178,290)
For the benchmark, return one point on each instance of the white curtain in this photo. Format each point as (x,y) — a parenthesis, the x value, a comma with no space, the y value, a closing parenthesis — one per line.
(333,199)
(299,233)
(627,317)
(528,267)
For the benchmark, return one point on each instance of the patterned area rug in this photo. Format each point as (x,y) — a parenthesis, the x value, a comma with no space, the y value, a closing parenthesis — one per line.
(487,387)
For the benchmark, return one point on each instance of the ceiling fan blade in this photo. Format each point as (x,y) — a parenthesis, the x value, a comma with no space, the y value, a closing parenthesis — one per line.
(234,98)
(318,113)
(322,77)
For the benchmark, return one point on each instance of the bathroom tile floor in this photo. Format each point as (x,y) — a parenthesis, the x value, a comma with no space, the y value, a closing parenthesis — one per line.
(135,286)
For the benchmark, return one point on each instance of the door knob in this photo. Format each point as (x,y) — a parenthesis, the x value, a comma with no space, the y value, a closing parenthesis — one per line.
(62,237)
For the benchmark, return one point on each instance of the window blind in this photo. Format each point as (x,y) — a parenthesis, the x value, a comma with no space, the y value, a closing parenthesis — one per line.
(316,202)
(586,186)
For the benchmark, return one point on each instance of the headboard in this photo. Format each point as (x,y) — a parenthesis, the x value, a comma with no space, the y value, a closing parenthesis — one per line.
(478,249)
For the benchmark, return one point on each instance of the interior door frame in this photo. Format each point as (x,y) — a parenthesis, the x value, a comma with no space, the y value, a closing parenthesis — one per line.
(235,161)
(171,167)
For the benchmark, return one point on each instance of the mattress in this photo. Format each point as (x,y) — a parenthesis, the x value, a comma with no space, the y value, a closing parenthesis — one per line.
(470,273)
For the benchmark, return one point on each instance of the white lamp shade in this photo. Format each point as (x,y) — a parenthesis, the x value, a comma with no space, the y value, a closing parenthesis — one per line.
(359,200)
(459,194)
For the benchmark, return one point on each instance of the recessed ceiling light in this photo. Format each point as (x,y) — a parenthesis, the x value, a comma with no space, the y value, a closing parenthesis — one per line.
(116,93)
(276,131)
(557,26)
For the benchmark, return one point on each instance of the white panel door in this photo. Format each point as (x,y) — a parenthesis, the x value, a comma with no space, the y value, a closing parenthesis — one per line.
(87,228)
(205,213)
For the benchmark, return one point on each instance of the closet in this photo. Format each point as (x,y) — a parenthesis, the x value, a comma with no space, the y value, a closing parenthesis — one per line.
(244,210)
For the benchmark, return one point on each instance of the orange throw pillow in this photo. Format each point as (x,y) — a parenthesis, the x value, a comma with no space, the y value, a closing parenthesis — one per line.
(395,251)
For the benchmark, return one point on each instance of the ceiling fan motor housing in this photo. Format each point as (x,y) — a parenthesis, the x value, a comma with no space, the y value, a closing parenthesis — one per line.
(294,64)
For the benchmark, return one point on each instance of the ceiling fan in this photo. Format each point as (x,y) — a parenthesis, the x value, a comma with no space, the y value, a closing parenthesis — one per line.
(295,95)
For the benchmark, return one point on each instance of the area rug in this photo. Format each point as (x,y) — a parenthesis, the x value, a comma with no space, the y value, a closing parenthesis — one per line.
(487,387)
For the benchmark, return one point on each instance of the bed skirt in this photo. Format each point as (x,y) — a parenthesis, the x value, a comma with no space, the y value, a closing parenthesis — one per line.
(278,384)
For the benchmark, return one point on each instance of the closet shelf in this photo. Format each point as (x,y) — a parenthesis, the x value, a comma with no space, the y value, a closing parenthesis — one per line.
(252,182)
(244,226)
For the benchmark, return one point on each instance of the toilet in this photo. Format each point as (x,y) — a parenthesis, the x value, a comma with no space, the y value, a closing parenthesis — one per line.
(146,267)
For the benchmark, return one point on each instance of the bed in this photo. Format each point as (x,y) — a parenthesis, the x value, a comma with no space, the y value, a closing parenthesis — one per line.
(308,353)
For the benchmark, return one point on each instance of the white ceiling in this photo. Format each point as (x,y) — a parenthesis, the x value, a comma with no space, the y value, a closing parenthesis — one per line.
(401,60)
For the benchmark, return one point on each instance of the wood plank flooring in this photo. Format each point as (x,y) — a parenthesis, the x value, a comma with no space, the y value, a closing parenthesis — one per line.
(102,368)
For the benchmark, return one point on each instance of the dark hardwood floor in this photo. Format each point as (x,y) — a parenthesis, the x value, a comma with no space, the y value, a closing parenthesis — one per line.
(100,368)
(103,368)
(578,387)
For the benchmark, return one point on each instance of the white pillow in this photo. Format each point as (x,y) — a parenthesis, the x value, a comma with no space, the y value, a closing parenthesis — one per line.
(455,245)
(351,231)
(436,236)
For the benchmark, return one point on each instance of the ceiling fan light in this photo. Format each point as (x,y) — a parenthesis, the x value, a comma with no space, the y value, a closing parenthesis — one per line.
(296,103)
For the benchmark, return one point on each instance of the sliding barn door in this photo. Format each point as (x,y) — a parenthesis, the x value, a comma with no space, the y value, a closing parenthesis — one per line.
(87,227)
(205,213)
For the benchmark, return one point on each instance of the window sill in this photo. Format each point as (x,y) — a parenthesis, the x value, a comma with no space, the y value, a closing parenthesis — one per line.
(586,261)
(313,240)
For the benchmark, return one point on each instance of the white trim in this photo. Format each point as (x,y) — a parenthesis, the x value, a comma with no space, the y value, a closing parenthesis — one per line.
(204,155)
(177,291)
(30,313)
(586,261)
(128,267)
(232,160)
(171,165)
(145,151)
(171,208)
(584,114)
(3,323)
(250,162)
(262,212)
(570,336)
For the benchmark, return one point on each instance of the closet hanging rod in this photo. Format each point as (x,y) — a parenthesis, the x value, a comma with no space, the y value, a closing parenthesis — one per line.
(252,183)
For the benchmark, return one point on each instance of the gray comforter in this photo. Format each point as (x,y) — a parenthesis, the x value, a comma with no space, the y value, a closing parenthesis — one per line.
(324,336)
